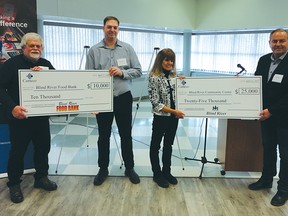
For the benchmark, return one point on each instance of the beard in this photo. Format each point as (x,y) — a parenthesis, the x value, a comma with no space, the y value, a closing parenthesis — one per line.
(34,56)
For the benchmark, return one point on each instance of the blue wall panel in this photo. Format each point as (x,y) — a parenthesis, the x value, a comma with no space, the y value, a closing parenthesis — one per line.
(5,148)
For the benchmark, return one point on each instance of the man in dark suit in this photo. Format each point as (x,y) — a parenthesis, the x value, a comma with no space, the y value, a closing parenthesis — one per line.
(273,68)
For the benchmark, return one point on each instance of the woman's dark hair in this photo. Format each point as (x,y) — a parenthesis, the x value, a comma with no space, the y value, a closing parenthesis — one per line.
(164,54)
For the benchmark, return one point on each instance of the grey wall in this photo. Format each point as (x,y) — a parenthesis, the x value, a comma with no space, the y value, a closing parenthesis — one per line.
(240,14)
(185,15)
(175,14)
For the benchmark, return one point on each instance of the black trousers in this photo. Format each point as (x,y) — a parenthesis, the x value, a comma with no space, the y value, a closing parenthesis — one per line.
(273,136)
(123,116)
(22,132)
(162,126)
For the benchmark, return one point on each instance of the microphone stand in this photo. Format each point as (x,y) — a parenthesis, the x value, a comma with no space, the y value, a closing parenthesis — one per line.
(203,158)
(240,72)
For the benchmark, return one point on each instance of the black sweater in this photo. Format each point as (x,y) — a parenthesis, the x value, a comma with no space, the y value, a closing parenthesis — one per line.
(9,84)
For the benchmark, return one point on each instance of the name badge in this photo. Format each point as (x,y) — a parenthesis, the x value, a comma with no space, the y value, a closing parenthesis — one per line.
(122,62)
(277,78)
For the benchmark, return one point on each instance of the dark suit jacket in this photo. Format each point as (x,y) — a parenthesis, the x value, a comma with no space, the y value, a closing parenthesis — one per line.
(275,94)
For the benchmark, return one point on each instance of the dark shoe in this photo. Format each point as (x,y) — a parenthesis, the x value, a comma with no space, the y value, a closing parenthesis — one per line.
(16,195)
(45,184)
(133,176)
(161,181)
(279,199)
(260,184)
(101,176)
(170,178)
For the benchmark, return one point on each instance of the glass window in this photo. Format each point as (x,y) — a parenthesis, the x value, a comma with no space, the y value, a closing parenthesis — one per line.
(64,44)
(221,53)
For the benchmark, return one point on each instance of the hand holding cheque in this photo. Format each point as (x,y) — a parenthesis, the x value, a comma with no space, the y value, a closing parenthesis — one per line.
(19,112)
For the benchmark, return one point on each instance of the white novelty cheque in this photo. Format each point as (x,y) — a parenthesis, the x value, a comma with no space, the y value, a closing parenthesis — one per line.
(57,92)
(220,97)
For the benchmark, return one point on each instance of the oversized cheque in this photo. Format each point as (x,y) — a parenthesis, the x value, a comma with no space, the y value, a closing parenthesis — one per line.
(220,97)
(56,92)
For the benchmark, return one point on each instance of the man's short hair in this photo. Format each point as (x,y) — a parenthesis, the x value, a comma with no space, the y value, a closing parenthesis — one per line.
(110,18)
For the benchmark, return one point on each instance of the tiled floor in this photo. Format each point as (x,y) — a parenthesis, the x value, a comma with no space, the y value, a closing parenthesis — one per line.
(74,149)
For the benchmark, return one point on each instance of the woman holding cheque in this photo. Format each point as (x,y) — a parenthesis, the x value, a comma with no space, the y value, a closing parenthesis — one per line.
(165,117)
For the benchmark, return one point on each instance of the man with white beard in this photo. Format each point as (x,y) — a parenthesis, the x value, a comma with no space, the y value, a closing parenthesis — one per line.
(24,130)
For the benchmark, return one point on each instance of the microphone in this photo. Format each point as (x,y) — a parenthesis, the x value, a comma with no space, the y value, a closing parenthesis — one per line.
(241,67)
